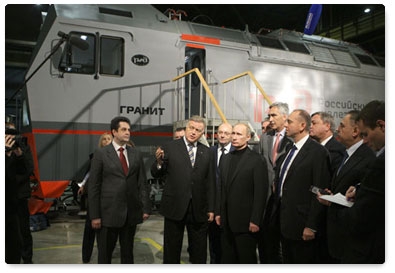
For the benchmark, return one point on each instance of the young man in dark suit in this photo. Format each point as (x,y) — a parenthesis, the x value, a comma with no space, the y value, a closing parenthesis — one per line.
(301,216)
(365,220)
(189,193)
(118,193)
(241,201)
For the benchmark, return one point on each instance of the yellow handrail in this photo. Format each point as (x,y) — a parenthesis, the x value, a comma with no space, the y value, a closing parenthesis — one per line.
(206,88)
(255,82)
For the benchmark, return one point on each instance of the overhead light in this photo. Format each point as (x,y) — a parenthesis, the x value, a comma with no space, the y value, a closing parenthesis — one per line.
(367,10)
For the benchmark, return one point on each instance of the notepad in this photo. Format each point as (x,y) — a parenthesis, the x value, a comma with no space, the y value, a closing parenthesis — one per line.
(338,198)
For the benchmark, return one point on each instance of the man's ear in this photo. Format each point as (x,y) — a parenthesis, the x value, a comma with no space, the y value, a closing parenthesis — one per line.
(381,123)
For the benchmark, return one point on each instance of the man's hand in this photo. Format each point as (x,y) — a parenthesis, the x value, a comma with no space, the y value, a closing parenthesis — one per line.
(96,223)
(159,155)
(9,142)
(350,193)
(253,228)
(145,216)
(322,201)
(308,234)
(218,220)
(81,190)
(210,216)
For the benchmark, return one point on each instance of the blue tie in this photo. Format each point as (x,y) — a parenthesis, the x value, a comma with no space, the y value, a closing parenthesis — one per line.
(284,168)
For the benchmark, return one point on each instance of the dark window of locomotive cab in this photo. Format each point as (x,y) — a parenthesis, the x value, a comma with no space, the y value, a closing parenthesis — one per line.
(79,54)
(111,56)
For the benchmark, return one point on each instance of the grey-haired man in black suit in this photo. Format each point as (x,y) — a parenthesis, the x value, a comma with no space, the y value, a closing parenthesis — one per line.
(189,193)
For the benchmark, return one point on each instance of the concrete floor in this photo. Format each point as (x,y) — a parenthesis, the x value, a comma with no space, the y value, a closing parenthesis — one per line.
(61,242)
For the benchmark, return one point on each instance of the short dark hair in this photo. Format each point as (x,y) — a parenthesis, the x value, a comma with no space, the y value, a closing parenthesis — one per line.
(354,114)
(115,122)
(371,113)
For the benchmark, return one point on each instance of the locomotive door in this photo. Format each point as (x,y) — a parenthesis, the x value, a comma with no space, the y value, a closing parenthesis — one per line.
(195,96)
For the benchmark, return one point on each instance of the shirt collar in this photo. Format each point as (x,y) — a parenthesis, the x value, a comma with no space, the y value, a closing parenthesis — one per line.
(353,148)
(378,153)
(187,142)
(325,141)
(227,147)
(282,132)
(301,142)
(116,146)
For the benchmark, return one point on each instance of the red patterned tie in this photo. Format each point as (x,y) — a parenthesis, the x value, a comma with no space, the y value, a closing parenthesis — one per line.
(275,148)
(123,161)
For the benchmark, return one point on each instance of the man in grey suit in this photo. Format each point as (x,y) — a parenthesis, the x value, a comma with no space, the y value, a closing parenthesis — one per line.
(272,146)
(351,172)
(189,193)
(118,193)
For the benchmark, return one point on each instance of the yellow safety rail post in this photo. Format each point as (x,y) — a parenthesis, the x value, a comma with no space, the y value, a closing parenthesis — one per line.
(206,88)
(255,82)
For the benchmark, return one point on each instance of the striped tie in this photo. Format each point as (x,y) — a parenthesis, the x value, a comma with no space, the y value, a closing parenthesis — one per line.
(191,154)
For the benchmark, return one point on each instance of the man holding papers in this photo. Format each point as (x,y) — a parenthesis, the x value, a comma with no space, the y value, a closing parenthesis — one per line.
(349,173)
(364,222)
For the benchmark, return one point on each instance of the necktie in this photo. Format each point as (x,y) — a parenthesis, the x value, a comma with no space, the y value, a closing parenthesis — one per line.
(284,168)
(275,148)
(191,154)
(343,162)
(222,153)
(123,161)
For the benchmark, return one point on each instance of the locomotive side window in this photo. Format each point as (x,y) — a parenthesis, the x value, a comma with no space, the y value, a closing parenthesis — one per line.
(79,54)
(112,56)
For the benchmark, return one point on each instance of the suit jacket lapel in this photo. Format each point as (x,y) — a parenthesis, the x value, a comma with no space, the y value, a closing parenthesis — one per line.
(131,157)
(184,151)
(269,146)
(199,153)
(355,158)
(299,157)
(113,155)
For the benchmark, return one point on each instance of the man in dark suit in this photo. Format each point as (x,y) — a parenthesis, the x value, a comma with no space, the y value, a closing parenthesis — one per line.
(365,220)
(272,146)
(223,147)
(243,195)
(189,193)
(351,171)
(301,216)
(322,130)
(118,193)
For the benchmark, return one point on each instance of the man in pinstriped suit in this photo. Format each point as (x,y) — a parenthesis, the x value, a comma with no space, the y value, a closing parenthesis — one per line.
(118,197)
(189,193)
